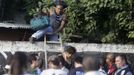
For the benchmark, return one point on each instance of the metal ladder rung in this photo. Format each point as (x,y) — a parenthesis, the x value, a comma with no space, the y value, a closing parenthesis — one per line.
(53,42)
(54,50)
(51,50)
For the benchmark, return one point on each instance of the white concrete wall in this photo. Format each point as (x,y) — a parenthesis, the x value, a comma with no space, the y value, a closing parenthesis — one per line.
(39,46)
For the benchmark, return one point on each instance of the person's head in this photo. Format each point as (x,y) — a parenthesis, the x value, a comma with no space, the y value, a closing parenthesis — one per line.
(90,63)
(110,58)
(34,60)
(69,51)
(58,9)
(101,62)
(120,61)
(18,63)
(60,2)
(78,61)
(53,61)
(62,61)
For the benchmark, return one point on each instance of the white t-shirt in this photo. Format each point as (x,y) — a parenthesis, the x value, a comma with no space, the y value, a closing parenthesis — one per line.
(93,73)
(54,72)
(102,72)
(65,69)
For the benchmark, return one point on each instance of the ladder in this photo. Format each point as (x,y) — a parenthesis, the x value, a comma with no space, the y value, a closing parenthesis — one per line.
(46,49)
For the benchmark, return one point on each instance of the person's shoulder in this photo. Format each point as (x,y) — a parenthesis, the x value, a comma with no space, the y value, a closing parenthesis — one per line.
(93,73)
(48,70)
(129,73)
(80,68)
(72,72)
(103,73)
(59,71)
(5,74)
(65,69)
(64,17)
(27,74)
(45,72)
(126,72)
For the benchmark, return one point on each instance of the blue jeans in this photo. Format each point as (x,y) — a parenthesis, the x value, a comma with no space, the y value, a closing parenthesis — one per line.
(38,34)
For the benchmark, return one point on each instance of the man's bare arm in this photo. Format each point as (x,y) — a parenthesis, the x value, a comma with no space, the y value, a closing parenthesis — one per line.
(63,22)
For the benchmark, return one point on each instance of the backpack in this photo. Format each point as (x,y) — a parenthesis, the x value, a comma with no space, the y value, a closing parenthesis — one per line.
(39,22)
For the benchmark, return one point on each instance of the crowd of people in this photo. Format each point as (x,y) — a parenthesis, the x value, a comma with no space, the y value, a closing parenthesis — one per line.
(68,62)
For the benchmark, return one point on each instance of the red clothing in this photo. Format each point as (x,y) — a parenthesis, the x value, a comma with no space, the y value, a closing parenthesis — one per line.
(111,69)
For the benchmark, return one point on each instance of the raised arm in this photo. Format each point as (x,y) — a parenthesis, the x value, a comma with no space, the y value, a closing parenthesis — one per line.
(63,23)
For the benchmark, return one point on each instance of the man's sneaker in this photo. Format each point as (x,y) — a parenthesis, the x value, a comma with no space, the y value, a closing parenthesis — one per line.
(32,40)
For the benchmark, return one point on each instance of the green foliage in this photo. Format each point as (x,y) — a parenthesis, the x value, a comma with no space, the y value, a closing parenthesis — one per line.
(107,21)
(131,34)
(33,7)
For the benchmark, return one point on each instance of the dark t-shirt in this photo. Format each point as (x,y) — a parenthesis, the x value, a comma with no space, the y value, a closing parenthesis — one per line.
(55,20)
(76,71)
(67,65)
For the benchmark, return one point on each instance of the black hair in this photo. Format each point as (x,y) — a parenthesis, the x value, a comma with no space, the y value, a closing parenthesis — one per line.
(61,3)
(70,49)
(54,60)
(101,61)
(18,63)
(33,57)
(78,59)
(61,59)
